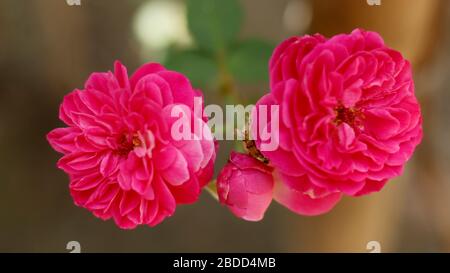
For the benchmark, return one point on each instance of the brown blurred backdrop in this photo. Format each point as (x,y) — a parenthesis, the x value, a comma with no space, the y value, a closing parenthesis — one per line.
(48,48)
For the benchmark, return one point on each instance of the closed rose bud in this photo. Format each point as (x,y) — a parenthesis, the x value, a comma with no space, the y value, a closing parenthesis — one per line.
(245,186)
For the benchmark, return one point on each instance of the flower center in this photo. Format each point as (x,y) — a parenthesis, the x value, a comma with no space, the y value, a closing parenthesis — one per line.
(125,143)
(352,116)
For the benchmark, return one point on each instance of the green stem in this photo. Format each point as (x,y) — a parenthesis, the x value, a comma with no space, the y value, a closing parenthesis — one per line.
(212,189)
(227,88)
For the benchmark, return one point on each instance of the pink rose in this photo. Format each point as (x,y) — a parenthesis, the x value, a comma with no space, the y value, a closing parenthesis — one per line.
(245,185)
(349,119)
(118,150)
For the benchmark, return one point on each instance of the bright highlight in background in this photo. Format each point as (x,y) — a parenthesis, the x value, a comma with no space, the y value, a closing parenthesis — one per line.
(159,24)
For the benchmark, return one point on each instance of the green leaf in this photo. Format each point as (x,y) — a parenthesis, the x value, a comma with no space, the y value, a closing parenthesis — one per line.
(199,68)
(249,61)
(214,23)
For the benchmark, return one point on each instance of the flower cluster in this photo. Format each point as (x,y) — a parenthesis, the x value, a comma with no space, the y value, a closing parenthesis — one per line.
(348,122)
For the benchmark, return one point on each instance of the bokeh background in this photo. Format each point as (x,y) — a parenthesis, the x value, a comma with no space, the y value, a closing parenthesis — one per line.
(48,48)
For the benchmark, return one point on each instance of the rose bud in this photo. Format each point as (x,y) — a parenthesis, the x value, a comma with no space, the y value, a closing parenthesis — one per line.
(245,186)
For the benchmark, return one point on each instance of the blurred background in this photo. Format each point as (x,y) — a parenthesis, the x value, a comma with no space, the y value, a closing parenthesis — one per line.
(48,48)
